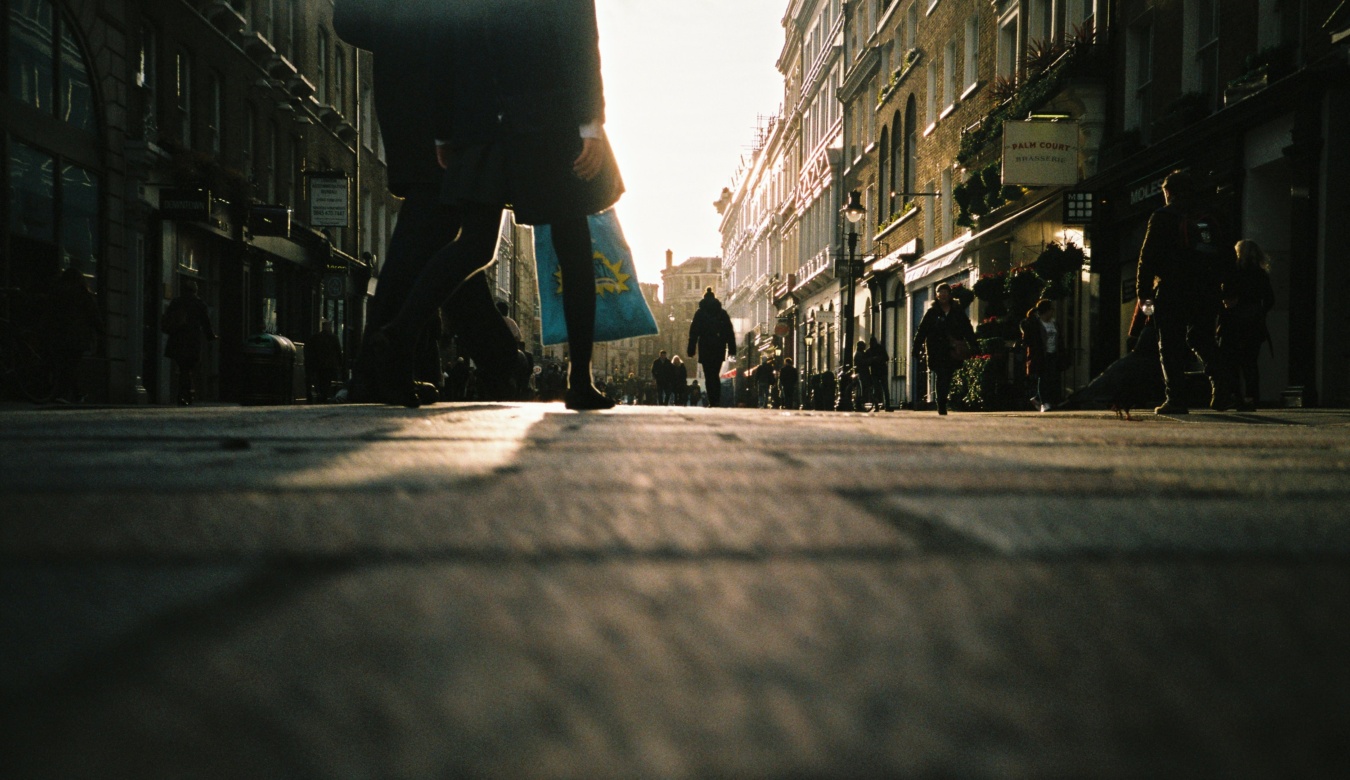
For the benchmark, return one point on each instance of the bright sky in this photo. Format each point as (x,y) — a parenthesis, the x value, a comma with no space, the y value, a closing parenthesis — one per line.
(684,82)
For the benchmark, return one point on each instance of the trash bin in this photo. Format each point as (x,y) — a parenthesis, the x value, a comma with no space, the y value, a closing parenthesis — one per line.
(269,370)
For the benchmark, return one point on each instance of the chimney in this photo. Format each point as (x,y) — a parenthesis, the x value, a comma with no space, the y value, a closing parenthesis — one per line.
(670,259)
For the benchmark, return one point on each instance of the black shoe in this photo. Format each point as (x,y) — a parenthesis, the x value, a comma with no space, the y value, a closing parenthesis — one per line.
(427,394)
(585,399)
(1171,407)
(394,383)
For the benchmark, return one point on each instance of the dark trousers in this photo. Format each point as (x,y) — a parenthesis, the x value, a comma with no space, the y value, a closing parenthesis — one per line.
(1181,332)
(425,227)
(449,271)
(1244,358)
(943,378)
(186,368)
(713,379)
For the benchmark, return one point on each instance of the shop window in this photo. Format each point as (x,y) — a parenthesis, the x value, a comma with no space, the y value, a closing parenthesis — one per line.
(53,222)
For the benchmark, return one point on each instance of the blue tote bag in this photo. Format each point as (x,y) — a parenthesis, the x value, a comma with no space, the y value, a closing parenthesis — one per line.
(620,310)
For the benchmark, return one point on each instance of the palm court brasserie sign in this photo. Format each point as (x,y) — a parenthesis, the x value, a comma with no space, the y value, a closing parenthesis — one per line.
(1040,153)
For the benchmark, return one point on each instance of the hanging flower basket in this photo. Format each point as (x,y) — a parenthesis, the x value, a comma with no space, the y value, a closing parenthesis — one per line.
(991,288)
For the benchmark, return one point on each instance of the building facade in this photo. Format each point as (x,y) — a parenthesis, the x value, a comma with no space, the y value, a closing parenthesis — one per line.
(937,97)
(150,142)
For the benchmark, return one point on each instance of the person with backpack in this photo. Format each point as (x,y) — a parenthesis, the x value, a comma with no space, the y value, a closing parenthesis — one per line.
(1179,274)
(711,338)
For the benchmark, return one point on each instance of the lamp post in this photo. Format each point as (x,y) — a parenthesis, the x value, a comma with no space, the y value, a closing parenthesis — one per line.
(853,212)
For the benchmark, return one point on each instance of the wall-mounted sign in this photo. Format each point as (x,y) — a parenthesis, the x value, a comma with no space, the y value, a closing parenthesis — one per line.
(1040,153)
(328,200)
(185,205)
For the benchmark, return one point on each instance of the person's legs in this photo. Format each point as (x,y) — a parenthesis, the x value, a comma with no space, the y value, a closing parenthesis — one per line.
(1248,364)
(1200,340)
(444,273)
(714,382)
(944,388)
(1173,353)
(572,242)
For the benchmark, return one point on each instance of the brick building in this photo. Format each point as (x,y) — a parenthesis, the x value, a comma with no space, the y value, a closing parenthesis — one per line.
(1248,94)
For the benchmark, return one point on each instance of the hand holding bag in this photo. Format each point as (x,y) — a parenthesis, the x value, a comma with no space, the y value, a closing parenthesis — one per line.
(621,312)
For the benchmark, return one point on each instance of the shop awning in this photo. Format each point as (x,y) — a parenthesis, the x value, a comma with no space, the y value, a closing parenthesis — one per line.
(951,252)
(938,259)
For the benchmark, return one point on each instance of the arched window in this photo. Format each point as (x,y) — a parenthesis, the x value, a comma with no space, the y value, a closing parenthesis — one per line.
(52,163)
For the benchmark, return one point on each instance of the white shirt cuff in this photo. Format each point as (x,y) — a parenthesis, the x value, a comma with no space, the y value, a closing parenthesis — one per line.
(592,130)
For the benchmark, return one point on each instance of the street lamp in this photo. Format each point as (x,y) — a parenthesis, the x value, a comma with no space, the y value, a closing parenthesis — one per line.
(853,212)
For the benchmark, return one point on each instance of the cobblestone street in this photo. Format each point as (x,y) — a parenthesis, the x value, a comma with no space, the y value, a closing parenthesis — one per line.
(519,591)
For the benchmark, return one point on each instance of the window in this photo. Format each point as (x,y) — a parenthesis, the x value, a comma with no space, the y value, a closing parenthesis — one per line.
(216,118)
(340,80)
(929,223)
(971,74)
(911,26)
(147,79)
(182,73)
(1007,47)
(945,203)
(1139,75)
(53,222)
(250,130)
(893,177)
(1202,23)
(884,161)
(47,67)
(1041,21)
(1080,15)
(321,67)
(366,120)
(272,163)
(930,115)
(949,74)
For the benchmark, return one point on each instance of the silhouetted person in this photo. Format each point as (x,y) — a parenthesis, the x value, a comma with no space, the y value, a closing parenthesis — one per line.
(1179,263)
(943,340)
(188,324)
(711,339)
(662,375)
(404,41)
(521,117)
(789,379)
(1040,339)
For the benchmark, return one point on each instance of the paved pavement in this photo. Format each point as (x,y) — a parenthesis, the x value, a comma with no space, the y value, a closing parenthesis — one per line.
(519,591)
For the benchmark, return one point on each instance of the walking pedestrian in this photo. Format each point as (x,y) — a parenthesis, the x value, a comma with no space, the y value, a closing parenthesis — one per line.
(1040,340)
(789,379)
(405,42)
(679,381)
(188,325)
(765,380)
(873,376)
(711,338)
(662,376)
(525,130)
(1179,265)
(943,340)
(1247,298)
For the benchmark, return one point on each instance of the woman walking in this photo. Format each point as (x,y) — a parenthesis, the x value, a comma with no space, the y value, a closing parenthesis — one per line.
(521,126)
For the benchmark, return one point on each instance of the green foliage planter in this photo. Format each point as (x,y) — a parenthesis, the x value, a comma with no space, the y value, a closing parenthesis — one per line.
(977,385)
(1023,283)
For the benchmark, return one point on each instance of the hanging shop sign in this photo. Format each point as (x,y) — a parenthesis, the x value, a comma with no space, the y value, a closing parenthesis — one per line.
(328,199)
(185,205)
(265,220)
(1040,153)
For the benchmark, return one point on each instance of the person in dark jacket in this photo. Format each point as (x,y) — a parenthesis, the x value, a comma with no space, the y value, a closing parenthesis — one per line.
(661,375)
(1181,281)
(403,38)
(519,119)
(1043,345)
(789,379)
(872,373)
(679,381)
(188,324)
(711,339)
(943,340)
(765,380)
(1247,298)
(74,324)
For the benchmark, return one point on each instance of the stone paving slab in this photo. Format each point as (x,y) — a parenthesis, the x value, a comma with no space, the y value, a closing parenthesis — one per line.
(518,591)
